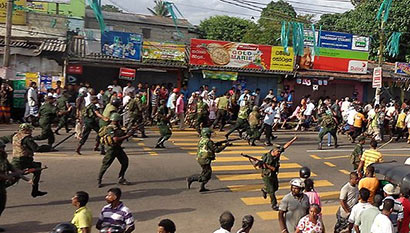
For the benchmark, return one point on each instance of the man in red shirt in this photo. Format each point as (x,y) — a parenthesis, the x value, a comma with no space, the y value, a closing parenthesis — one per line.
(404,199)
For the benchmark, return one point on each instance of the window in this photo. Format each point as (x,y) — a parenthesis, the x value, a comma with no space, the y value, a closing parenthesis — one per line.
(146,33)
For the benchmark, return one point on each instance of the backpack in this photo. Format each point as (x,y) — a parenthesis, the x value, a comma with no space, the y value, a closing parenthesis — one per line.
(105,138)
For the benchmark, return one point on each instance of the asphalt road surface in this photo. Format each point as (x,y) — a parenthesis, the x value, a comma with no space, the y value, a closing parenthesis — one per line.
(159,189)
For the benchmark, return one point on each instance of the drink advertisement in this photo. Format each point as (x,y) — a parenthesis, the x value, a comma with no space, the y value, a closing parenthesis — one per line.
(121,44)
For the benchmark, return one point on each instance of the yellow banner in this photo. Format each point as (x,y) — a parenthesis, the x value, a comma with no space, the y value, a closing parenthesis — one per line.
(31,77)
(163,51)
(19,16)
(281,61)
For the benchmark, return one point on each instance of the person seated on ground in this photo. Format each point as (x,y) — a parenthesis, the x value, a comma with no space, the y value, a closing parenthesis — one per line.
(166,226)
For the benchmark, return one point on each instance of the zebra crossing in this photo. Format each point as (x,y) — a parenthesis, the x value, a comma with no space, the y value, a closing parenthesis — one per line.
(240,176)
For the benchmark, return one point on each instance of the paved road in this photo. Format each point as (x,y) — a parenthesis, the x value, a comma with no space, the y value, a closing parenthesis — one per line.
(158,187)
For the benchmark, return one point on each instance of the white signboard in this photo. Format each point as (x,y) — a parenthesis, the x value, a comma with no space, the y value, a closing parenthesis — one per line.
(377,77)
(357,67)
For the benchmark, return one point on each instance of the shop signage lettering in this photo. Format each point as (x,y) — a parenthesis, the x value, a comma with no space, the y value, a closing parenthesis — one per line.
(127,74)
(163,51)
(75,69)
(377,77)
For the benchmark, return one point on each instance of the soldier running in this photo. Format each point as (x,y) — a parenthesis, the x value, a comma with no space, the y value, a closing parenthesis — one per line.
(48,112)
(202,115)
(206,153)
(63,110)
(163,124)
(270,170)
(110,109)
(242,121)
(254,120)
(112,137)
(135,111)
(91,116)
(328,125)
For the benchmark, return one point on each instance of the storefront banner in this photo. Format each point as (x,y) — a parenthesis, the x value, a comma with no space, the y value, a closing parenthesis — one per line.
(55,79)
(282,61)
(337,40)
(227,76)
(230,54)
(19,86)
(402,68)
(121,44)
(75,69)
(335,60)
(32,77)
(19,16)
(127,74)
(45,83)
(163,51)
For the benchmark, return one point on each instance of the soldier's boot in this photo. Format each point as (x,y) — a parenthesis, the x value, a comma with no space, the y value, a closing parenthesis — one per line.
(143,135)
(78,150)
(336,145)
(97,146)
(123,181)
(102,152)
(275,207)
(56,131)
(158,145)
(35,192)
(253,142)
(203,189)
(99,184)
(264,193)
(190,180)
(319,147)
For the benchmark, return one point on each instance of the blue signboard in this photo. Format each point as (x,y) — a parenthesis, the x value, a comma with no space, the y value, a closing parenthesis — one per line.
(335,40)
(121,44)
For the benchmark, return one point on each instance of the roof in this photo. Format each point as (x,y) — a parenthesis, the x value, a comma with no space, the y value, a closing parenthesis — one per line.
(49,45)
(139,18)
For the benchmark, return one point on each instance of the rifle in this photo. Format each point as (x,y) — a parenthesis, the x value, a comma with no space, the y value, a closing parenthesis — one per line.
(289,143)
(258,163)
(227,141)
(21,174)
(62,141)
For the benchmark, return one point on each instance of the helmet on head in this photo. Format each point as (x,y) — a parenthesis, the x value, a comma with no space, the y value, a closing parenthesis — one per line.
(115,117)
(296,182)
(206,132)
(255,108)
(64,228)
(26,126)
(116,102)
(304,172)
(278,148)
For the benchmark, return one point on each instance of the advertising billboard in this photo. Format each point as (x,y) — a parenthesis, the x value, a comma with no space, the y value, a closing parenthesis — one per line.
(19,15)
(163,51)
(121,44)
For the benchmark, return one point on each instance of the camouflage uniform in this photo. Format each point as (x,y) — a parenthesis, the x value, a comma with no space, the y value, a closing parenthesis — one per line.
(163,125)
(202,115)
(270,178)
(135,111)
(48,112)
(328,125)
(62,107)
(241,124)
(253,132)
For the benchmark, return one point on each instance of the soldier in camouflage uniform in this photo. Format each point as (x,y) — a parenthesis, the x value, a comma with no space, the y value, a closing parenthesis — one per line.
(111,108)
(163,124)
(357,152)
(254,120)
(63,110)
(328,125)
(112,139)
(241,124)
(206,153)
(202,115)
(23,152)
(270,170)
(48,112)
(135,110)
(91,116)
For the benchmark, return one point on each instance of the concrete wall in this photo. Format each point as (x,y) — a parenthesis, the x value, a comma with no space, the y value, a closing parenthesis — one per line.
(40,64)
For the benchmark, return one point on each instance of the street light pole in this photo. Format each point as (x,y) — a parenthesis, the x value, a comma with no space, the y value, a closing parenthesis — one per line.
(381,48)
(7,37)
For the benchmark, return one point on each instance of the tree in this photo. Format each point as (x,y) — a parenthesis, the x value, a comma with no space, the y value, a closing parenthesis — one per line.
(225,28)
(160,9)
(362,21)
(355,2)
(110,8)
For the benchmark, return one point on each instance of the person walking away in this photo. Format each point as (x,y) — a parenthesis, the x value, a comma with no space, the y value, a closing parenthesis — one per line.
(396,216)
(310,191)
(226,221)
(294,206)
(357,153)
(365,221)
(328,124)
(32,103)
(401,124)
(63,111)
(270,113)
(206,153)
(349,196)
(370,182)
(359,119)
(48,113)
(166,226)
(115,214)
(202,115)
(311,222)
(369,156)
(83,218)
(382,223)
(112,137)
(357,209)
(254,125)
(221,113)
(164,124)
(180,110)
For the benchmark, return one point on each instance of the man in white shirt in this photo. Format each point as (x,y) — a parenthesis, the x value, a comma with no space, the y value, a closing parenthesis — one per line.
(115,87)
(382,223)
(357,209)
(268,121)
(310,107)
(345,105)
(32,101)
(226,221)
(129,88)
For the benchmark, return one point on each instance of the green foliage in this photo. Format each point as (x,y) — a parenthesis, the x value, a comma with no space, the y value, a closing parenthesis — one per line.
(225,28)
(110,8)
(160,9)
(361,21)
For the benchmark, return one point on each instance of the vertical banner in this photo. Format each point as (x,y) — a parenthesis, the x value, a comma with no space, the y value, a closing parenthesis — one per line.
(45,83)
(19,86)
(377,77)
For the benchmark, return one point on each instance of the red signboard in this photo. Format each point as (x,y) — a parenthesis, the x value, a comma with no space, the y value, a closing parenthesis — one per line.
(127,73)
(75,69)
(230,54)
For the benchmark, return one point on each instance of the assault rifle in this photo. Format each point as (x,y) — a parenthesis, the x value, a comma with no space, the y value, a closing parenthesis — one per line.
(227,141)
(62,141)
(21,174)
(257,163)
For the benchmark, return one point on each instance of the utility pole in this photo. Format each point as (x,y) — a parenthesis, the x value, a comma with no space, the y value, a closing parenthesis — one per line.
(381,49)
(7,37)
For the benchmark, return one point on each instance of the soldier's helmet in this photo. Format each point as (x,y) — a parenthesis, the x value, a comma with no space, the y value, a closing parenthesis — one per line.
(26,126)
(304,172)
(255,108)
(206,132)
(116,102)
(64,228)
(278,148)
(115,117)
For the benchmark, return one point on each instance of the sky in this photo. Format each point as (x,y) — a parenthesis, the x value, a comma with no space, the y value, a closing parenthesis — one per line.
(197,10)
